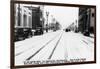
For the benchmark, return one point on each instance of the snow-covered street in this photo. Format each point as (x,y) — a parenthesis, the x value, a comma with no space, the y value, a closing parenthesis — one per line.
(58,45)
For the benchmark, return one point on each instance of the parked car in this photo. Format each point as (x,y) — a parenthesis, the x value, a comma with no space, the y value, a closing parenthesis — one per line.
(38,31)
(19,34)
(86,33)
(67,30)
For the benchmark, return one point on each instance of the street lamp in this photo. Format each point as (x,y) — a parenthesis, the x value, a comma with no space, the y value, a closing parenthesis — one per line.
(47,14)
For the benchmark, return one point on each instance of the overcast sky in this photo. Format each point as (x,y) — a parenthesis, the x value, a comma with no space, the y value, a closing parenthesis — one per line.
(65,15)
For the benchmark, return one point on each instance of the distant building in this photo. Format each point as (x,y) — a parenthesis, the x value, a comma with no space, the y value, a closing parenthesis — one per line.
(86,20)
(73,26)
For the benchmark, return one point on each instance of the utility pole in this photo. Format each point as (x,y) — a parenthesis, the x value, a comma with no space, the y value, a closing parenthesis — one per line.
(47,14)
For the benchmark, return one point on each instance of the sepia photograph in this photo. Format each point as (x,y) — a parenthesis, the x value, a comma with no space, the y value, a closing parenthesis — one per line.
(52,34)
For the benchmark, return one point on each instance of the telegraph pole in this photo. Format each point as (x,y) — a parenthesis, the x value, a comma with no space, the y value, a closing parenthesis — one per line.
(47,14)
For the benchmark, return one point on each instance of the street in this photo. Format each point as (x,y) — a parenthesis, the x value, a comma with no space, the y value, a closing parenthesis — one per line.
(55,46)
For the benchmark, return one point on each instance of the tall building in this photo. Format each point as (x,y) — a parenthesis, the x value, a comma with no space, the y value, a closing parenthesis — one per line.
(86,20)
(37,17)
(23,16)
(28,20)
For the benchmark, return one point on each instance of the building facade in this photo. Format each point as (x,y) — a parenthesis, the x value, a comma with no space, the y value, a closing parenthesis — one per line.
(23,16)
(27,19)
(86,20)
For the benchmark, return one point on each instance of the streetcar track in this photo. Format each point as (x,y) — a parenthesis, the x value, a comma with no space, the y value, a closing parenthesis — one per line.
(23,51)
(88,40)
(41,48)
(19,53)
(27,50)
(85,42)
(55,47)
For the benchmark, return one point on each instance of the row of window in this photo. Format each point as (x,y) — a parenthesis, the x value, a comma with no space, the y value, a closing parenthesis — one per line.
(23,19)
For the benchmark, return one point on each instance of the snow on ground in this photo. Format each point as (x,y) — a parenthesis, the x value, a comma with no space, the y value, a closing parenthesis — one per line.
(29,46)
(77,47)
(59,45)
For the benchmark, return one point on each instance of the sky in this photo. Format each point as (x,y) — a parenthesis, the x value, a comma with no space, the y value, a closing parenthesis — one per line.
(64,15)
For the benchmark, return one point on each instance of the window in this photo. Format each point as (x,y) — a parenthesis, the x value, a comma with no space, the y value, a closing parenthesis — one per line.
(92,14)
(25,20)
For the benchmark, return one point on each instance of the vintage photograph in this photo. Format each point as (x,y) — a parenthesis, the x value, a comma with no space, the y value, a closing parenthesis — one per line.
(50,34)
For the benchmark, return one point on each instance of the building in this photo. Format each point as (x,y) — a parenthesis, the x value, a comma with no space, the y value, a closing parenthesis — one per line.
(37,20)
(73,26)
(23,22)
(23,16)
(86,20)
(27,19)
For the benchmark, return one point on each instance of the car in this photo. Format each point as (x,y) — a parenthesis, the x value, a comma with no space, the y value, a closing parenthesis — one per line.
(86,33)
(19,34)
(67,30)
(38,31)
